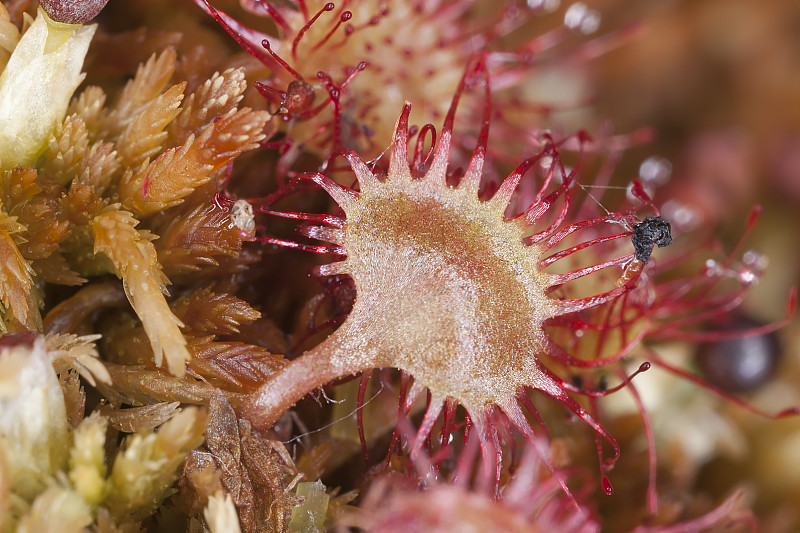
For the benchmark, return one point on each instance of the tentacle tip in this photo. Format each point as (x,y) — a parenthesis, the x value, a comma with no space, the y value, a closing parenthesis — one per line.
(608,488)
(791,302)
(791,411)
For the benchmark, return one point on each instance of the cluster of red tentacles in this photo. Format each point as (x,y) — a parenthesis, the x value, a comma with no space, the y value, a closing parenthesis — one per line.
(319,48)
(602,330)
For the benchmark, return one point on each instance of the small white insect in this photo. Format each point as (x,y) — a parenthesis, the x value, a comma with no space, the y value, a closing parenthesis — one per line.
(241,215)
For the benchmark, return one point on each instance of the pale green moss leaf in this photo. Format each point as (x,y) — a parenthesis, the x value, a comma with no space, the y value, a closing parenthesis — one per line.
(309,516)
(148,465)
(37,84)
(57,510)
(87,468)
(34,438)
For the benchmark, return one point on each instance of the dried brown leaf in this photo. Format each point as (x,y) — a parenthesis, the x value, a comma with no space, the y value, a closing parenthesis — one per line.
(178,171)
(55,269)
(71,313)
(134,384)
(196,240)
(256,472)
(234,363)
(271,471)
(133,419)
(207,313)
(224,443)
(74,397)
(143,136)
(134,258)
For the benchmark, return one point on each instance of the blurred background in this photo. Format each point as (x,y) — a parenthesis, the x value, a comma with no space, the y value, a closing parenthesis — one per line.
(719,83)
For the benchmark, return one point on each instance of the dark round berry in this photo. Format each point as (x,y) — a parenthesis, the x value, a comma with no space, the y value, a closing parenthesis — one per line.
(740,364)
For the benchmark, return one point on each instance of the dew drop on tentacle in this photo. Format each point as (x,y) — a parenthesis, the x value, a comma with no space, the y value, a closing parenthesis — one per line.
(655,171)
(607,487)
(579,17)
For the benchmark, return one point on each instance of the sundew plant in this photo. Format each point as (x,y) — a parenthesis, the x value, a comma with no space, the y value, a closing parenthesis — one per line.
(476,283)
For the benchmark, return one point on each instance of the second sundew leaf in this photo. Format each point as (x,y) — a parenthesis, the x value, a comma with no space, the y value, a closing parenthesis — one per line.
(454,293)
(134,258)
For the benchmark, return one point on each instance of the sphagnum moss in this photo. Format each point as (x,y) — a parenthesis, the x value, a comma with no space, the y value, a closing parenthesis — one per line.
(87,189)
